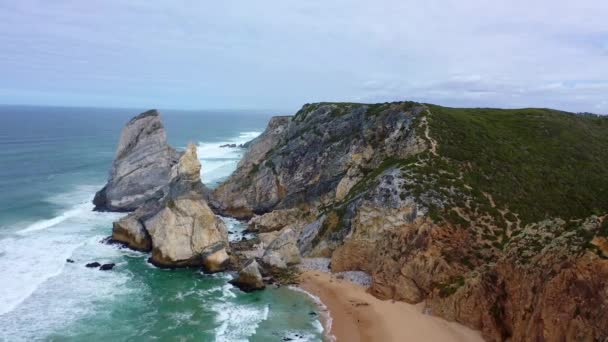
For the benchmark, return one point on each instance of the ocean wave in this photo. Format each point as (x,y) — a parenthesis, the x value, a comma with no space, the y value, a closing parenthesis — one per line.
(33,255)
(218,162)
(238,322)
(44,224)
(326,328)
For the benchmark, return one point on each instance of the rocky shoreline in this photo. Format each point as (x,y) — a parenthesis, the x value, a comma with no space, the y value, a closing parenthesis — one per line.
(369,193)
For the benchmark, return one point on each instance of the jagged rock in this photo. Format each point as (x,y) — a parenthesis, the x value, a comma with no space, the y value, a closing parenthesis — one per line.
(107,267)
(142,165)
(93,264)
(301,161)
(228,197)
(308,235)
(172,218)
(283,251)
(249,278)
(267,238)
(185,232)
(278,219)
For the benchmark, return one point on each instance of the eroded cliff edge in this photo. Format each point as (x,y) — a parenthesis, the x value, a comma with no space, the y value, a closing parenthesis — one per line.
(495,218)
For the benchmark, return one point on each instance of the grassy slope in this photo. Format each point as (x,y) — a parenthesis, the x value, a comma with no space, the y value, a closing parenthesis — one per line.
(537,162)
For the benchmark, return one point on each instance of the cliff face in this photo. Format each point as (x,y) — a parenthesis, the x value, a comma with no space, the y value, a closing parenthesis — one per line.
(302,160)
(495,218)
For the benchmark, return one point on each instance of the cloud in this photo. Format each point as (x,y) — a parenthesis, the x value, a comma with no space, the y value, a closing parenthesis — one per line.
(281,54)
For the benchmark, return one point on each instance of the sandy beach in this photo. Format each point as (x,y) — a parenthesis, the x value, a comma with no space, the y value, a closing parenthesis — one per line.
(358,316)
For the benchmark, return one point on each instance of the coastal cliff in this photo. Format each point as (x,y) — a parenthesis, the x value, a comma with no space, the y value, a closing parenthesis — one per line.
(496,219)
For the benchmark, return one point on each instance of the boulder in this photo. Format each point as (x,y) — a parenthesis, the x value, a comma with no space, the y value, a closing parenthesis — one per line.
(182,231)
(215,258)
(249,278)
(283,251)
(142,166)
(130,231)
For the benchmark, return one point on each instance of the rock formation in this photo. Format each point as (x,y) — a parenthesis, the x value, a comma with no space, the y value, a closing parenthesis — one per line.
(249,278)
(283,250)
(266,193)
(467,210)
(173,221)
(131,231)
(142,165)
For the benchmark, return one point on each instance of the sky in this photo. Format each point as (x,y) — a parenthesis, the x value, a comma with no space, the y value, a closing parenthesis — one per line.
(280,54)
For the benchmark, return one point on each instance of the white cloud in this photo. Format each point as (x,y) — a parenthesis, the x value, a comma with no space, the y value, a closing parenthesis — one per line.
(280,54)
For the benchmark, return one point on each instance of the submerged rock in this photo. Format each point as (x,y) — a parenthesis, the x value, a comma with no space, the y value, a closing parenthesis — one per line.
(107,267)
(142,166)
(249,278)
(93,264)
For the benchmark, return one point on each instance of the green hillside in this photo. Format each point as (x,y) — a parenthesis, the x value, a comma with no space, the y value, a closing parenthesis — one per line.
(537,162)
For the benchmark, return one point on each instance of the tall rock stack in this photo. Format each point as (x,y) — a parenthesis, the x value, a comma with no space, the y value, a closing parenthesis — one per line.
(163,188)
(142,165)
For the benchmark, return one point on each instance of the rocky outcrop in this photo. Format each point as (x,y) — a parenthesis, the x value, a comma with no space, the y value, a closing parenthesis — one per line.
(229,198)
(283,250)
(279,219)
(171,219)
(142,165)
(309,155)
(249,278)
(184,231)
(130,231)
(409,194)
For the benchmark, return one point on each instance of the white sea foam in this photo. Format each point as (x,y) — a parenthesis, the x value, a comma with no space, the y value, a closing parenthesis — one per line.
(326,328)
(297,336)
(236,229)
(75,293)
(38,252)
(238,322)
(44,224)
(218,162)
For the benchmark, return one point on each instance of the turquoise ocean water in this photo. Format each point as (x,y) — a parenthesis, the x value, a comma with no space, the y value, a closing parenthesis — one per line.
(52,160)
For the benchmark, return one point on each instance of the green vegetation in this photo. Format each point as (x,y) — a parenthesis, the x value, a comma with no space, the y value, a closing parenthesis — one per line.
(537,162)
(494,170)
(449,288)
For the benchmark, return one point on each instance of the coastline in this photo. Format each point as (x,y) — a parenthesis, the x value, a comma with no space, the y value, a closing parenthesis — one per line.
(355,315)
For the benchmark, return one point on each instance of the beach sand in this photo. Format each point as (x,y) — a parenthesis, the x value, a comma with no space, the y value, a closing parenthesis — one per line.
(358,316)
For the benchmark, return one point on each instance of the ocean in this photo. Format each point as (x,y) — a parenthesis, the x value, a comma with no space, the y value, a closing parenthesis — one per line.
(52,160)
